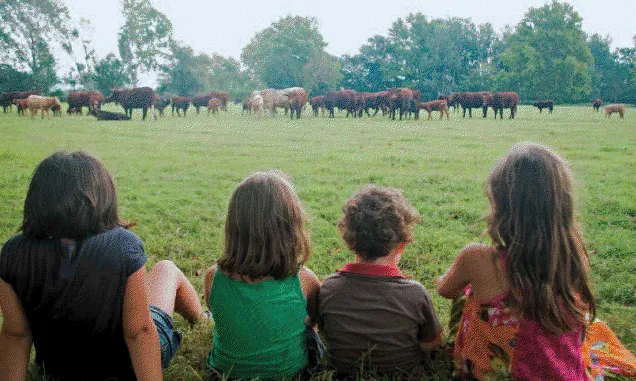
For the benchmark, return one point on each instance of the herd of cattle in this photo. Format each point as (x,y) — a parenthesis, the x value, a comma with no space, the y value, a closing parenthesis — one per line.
(404,102)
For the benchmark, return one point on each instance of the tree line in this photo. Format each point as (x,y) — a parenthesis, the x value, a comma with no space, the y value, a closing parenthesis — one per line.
(545,56)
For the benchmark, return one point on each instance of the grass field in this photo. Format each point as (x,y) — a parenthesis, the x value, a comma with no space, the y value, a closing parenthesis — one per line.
(175,177)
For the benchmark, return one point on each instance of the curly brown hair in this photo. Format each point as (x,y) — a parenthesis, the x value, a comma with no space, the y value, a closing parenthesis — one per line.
(376,220)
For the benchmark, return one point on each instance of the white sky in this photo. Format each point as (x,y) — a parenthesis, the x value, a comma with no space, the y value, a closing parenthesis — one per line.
(225,27)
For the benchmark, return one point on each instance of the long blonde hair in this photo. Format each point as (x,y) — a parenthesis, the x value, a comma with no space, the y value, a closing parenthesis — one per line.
(532,217)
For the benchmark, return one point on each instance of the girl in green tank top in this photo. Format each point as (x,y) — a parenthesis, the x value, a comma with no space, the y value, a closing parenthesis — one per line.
(261,296)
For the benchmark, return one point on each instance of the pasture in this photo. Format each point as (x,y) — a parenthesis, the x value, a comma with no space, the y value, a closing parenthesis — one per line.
(175,176)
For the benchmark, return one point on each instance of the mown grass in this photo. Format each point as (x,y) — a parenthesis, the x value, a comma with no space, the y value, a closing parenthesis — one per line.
(175,177)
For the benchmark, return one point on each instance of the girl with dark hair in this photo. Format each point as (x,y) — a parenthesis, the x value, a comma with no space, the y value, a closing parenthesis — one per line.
(262,297)
(528,296)
(74,284)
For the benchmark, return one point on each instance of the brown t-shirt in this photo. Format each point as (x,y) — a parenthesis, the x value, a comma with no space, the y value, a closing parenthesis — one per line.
(371,313)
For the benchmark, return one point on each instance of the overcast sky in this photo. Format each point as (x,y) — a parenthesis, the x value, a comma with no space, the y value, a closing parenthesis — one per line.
(225,27)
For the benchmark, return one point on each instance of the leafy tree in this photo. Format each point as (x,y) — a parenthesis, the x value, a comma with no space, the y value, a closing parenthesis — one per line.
(109,73)
(14,80)
(278,54)
(144,39)
(28,29)
(547,56)
(182,75)
(321,74)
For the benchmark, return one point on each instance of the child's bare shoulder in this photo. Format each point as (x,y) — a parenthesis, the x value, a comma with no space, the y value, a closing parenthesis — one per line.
(475,254)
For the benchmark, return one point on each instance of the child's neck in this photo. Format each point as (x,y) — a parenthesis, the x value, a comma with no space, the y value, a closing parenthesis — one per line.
(389,260)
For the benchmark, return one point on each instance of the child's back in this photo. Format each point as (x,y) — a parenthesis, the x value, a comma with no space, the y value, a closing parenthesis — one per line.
(259,327)
(369,314)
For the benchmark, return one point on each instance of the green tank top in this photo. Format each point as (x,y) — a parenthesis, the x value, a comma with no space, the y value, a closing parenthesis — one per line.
(259,328)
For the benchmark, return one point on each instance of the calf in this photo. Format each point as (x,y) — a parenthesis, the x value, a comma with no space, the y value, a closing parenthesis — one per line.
(437,105)
(596,104)
(610,109)
(213,105)
(107,115)
(544,104)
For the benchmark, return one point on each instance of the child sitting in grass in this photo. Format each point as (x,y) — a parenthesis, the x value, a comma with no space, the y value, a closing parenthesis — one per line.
(370,315)
(261,296)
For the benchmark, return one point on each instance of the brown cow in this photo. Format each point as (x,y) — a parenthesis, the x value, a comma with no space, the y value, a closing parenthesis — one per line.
(7,98)
(137,97)
(79,99)
(297,101)
(202,100)
(318,103)
(437,105)
(406,100)
(22,105)
(596,104)
(469,101)
(180,103)
(610,109)
(37,103)
(161,103)
(213,105)
(222,96)
(502,100)
(343,99)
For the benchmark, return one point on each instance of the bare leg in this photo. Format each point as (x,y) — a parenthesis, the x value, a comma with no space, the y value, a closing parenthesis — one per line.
(170,290)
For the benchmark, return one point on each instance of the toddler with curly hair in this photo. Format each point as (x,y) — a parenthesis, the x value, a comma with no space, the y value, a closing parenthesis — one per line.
(370,315)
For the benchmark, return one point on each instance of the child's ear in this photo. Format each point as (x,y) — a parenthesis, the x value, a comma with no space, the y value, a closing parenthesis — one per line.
(399,249)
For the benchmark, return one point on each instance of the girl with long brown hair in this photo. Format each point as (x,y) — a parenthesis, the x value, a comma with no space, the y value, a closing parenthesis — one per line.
(74,284)
(528,295)
(262,297)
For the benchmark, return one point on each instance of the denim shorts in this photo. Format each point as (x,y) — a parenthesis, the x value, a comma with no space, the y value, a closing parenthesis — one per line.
(169,339)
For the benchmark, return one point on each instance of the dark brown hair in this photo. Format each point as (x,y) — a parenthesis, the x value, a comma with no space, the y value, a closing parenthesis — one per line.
(265,232)
(532,217)
(71,195)
(377,219)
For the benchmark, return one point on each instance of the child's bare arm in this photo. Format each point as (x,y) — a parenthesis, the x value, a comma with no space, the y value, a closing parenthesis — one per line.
(15,337)
(451,284)
(310,285)
(207,284)
(140,332)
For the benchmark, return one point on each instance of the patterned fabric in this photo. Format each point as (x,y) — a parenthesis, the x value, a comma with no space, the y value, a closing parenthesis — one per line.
(493,342)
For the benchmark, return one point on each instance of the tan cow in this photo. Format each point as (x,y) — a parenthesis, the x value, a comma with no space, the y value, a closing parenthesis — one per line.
(610,109)
(36,102)
(213,105)
(257,104)
(438,105)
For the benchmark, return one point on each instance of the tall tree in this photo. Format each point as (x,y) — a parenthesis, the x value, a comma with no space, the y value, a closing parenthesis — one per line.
(182,75)
(27,31)
(279,53)
(144,39)
(109,73)
(321,74)
(547,56)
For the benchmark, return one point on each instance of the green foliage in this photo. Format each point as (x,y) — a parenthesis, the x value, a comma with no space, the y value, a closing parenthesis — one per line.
(109,73)
(14,80)
(28,29)
(144,39)
(547,56)
(321,74)
(278,54)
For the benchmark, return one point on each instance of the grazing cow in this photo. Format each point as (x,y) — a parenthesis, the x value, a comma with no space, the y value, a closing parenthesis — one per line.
(213,105)
(7,98)
(343,99)
(161,103)
(137,97)
(372,101)
(222,96)
(453,101)
(79,99)
(199,101)
(22,105)
(469,101)
(610,109)
(257,104)
(405,100)
(437,105)
(596,104)
(318,103)
(297,100)
(502,100)
(107,115)
(544,104)
(56,109)
(180,103)
(274,98)
(37,103)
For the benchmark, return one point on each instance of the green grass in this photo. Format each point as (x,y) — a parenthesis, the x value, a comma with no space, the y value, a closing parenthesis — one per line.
(175,177)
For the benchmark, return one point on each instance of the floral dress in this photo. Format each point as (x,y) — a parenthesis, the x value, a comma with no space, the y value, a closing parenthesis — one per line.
(494,342)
